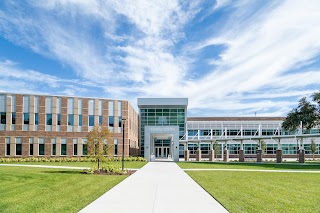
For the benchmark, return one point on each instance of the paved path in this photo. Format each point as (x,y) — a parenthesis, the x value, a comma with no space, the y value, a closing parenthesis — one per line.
(158,187)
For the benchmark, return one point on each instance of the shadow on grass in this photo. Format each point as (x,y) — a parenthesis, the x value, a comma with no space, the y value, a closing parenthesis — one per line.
(64,172)
(306,166)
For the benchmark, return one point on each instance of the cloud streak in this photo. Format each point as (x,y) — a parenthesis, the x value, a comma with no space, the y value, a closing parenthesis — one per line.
(126,49)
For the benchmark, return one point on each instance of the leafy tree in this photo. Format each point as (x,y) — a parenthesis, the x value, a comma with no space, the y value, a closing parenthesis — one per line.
(305,112)
(313,148)
(216,148)
(98,147)
(263,146)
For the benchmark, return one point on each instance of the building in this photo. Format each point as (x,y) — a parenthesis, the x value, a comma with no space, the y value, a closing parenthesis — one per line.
(42,125)
(38,125)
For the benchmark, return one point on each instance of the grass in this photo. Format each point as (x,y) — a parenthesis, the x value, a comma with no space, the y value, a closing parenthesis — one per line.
(262,191)
(127,164)
(50,190)
(230,165)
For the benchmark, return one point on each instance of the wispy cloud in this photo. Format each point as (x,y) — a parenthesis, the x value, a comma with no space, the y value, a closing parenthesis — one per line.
(129,49)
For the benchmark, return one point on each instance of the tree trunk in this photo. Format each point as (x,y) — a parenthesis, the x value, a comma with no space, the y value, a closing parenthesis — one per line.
(98,164)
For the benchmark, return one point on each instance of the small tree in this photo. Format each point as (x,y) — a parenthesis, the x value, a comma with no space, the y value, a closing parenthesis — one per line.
(263,146)
(216,148)
(313,148)
(97,143)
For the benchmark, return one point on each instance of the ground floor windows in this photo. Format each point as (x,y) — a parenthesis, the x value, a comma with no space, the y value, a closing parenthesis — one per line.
(193,147)
(84,146)
(205,148)
(271,149)
(234,149)
(289,149)
(7,146)
(250,149)
(41,146)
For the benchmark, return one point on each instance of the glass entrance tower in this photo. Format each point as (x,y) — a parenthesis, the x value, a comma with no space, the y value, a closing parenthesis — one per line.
(161,112)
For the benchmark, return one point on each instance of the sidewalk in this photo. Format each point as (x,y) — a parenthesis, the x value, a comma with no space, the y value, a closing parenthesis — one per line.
(159,187)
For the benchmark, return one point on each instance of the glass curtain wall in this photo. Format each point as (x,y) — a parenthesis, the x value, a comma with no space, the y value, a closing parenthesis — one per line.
(161,117)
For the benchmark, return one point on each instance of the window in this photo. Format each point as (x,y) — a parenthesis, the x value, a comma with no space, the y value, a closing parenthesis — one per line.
(80,120)
(100,120)
(75,146)
(36,118)
(30,146)
(70,119)
(3,117)
(13,118)
(192,147)
(115,142)
(49,119)
(120,121)
(26,119)
(7,146)
(63,146)
(41,146)
(18,146)
(84,146)
(111,121)
(91,120)
(58,119)
(54,146)
(205,148)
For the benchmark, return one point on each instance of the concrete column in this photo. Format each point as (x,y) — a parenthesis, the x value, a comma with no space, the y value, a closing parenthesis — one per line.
(279,155)
(31,111)
(79,147)
(241,155)
(12,146)
(301,155)
(8,113)
(226,155)
(54,114)
(198,155)
(35,147)
(259,155)
(58,147)
(211,155)
(186,155)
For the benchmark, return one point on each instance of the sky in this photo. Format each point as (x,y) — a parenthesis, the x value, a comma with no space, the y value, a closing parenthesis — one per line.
(229,58)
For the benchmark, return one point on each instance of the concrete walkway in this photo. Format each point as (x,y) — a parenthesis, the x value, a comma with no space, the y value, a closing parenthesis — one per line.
(159,187)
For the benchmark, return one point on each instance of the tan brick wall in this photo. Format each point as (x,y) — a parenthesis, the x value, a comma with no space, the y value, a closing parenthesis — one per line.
(19,113)
(42,113)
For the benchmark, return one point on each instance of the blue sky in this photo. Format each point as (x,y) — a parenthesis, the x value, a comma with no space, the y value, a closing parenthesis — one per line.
(230,58)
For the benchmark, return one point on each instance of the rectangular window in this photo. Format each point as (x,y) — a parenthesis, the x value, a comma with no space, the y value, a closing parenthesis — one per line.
(84,146)
(111,108)
(70,106)
(111,121)
(115,142)
(63,146)
(58,119)
(30,146)
(31,149)
(49,119)
(3,104)
(48,109)
(120,121)
(26,104)
(54,146)
(41,146)
(26,118)
(13,118)
(100,120)
(80,120)
(75,149)
(54,149)
(18,146)
(3,117)
(7,146)
(91,120)
(36,118)
(70,120)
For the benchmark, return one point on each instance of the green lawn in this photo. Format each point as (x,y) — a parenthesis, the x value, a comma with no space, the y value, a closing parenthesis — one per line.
(262,191)
(264,166)
(127,164)
(50,190)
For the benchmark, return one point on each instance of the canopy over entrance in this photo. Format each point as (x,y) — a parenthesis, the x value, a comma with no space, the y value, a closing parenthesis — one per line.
(161,142)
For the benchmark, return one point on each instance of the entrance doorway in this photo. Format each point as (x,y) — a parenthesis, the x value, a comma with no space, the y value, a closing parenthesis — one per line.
(162,152)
